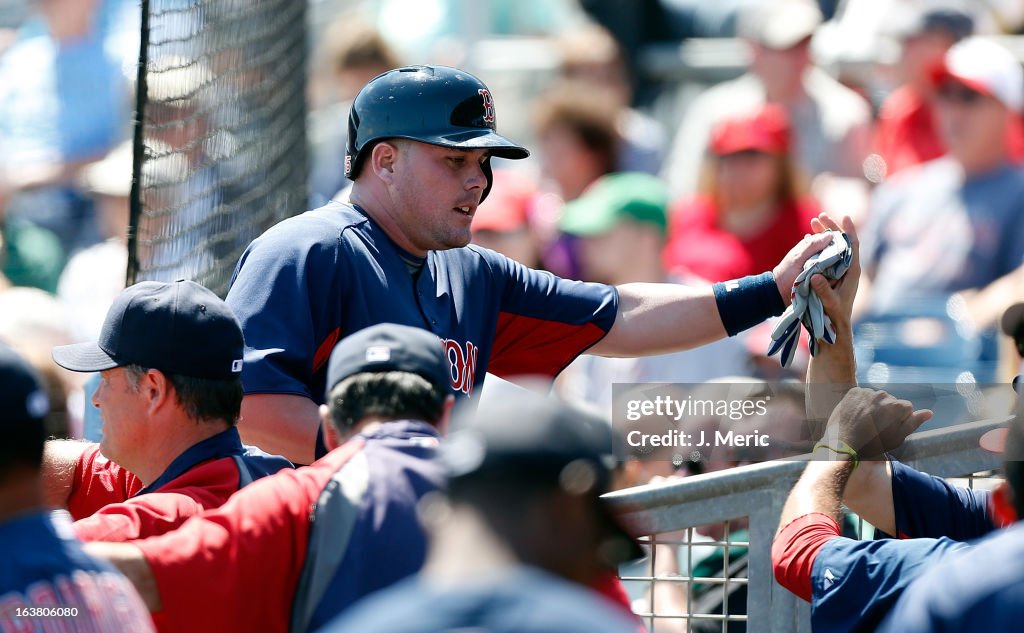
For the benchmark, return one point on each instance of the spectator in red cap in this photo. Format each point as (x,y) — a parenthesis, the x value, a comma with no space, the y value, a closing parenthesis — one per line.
(953,224)
(748,206)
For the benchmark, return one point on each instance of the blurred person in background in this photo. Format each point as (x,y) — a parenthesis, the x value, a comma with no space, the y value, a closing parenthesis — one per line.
(353,53)
(30,255)
(830,123)
(749,204)
(953,224)
(906,132)
(31,323)
(64,102)
(618,227)
(591,54)
(95,276)
(577,136)
(503,224)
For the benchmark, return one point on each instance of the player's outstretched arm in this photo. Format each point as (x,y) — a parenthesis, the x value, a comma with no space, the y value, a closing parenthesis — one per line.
(662,318)
(281,424)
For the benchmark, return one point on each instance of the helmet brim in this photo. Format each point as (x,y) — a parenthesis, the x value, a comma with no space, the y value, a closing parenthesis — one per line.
(497,144)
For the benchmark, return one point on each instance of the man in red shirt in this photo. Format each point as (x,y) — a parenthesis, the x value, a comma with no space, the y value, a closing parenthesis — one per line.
(907,133)
(293,550)
(170,361)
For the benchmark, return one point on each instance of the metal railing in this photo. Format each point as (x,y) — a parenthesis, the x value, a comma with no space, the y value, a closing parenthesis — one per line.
(757,492)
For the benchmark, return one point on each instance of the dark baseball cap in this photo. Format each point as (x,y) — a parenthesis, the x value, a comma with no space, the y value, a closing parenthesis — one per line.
(179,328)
(389,347)
(545,442)
(23,400)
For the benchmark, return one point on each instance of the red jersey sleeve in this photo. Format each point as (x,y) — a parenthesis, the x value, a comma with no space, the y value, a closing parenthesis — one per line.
(795,548)
(610,587)
(236,568)
(206,486)
(98,482)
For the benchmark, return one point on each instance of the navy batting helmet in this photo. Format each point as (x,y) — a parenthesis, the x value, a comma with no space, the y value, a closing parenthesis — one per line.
(432,104)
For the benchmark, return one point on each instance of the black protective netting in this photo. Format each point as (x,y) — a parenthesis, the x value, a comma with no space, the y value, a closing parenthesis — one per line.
(221,151)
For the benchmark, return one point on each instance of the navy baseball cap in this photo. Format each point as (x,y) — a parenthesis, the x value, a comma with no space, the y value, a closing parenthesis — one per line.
(389,347)
(543,442)
(179,328)
(23,400)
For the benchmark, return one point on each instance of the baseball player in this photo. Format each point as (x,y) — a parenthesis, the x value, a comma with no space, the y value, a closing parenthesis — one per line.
(292,550)
(169,357)
(420,143)
(46,580)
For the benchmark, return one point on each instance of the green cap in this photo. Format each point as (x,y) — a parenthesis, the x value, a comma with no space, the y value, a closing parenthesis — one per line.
(624,196)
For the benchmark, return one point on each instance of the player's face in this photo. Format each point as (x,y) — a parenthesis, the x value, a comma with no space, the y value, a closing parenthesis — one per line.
(122,409)
(436,191)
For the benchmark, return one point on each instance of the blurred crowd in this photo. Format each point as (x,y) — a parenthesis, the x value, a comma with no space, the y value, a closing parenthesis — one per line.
(922,152)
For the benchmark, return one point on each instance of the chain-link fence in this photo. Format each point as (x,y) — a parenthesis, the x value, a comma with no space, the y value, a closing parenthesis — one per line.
(220,146)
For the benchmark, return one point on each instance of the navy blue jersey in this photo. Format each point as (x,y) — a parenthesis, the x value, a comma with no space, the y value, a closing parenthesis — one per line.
(517,600)
(929,506)
(44,568)
(320,276)
(978,589)
(855,583)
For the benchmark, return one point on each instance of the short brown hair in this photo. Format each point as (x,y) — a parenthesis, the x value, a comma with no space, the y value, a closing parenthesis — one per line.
(588,113)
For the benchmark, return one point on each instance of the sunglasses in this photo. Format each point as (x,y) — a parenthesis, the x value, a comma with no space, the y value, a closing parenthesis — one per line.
(959,93)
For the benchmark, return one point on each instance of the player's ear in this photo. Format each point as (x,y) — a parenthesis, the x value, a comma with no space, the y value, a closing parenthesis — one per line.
(331,439)
(383,159)
(446,415)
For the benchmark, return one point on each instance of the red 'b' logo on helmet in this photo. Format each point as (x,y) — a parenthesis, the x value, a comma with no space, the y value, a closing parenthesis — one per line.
(485,94)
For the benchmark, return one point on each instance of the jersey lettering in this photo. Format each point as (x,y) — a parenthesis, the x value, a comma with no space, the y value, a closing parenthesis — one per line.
(463,364)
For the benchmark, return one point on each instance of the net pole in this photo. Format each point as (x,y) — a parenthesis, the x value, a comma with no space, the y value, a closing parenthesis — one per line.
(138,149)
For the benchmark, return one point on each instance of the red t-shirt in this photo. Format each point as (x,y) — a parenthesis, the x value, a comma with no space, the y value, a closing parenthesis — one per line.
(697,245)
(906,133)
(258,555)
(104,508)
(795,548)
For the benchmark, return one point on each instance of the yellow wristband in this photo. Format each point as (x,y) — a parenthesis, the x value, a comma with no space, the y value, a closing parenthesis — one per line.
(842,449)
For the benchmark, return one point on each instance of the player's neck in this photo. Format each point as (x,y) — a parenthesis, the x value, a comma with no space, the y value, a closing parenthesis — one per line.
(20,494)
(374,209)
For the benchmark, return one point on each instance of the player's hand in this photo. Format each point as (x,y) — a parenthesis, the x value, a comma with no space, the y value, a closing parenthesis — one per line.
(873,422)
(837,300)
(791,265)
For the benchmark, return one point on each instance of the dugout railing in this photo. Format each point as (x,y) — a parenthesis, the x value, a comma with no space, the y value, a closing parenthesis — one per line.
(757,492)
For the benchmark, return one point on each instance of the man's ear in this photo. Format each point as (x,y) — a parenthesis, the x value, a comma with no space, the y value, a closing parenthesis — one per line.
(331,437)
(446,415)
(1004,512)
(382,160)
(158,390)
